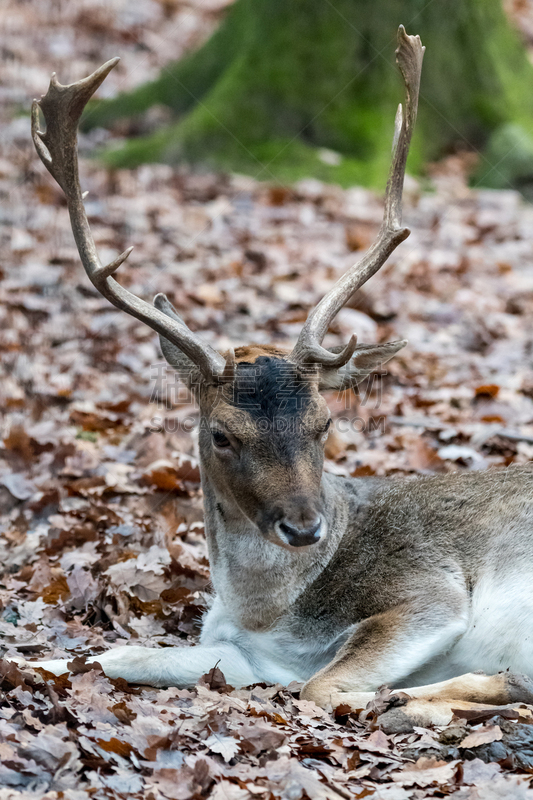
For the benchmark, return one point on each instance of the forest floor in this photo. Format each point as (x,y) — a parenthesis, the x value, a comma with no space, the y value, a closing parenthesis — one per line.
(101,532)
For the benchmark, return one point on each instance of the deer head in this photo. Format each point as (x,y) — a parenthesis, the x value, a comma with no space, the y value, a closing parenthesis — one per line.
(263,418)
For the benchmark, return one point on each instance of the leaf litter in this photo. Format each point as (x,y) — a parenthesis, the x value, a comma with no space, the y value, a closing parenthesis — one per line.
(101,528)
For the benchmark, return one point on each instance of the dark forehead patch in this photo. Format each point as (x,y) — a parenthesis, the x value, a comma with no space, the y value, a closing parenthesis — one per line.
(270,387)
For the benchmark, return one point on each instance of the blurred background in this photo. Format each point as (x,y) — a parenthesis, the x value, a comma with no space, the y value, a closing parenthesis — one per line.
(288,90)
(243,150)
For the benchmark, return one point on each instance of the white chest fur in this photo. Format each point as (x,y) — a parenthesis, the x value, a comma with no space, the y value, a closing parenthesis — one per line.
(276,655)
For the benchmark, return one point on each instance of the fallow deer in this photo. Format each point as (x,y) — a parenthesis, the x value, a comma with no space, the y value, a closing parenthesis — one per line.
(343,584)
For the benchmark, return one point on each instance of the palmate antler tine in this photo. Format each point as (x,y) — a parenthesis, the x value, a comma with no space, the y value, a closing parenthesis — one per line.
(308,348)
(62,107)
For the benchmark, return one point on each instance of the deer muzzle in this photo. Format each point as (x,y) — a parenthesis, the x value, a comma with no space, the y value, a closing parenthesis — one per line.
(296,534)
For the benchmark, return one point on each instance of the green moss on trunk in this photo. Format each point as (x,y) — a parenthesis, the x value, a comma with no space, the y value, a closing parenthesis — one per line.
(281,79)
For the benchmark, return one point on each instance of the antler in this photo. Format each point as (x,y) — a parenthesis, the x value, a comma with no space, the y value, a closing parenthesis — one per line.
(62,107)
(308,348)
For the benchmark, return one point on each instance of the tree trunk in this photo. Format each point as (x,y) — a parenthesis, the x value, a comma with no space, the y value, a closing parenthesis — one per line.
(286,89)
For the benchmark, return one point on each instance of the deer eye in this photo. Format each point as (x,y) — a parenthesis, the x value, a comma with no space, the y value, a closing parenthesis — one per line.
(220,439)
(325,429)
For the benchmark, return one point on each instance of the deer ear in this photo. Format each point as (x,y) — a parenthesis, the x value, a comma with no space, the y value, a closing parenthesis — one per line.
(366,359)
(177,359)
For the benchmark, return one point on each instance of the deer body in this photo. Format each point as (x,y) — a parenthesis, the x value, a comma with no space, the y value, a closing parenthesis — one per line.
(455,586)
(343,584)
(406,589)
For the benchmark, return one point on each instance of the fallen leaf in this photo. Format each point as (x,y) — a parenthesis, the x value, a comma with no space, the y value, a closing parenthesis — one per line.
(426,772)
(483,735)
(227,746)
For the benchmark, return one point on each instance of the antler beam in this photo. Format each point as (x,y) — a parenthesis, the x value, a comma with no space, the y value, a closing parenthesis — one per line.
(308,348)
(62,107)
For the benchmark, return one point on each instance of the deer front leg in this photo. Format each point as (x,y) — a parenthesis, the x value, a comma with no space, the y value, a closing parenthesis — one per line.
(384,649)
(167,666)
(387,647)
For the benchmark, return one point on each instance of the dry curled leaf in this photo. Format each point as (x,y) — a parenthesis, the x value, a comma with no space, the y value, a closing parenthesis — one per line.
(483,735)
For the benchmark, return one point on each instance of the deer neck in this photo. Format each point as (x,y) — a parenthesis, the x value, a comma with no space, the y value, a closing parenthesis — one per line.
(256,580)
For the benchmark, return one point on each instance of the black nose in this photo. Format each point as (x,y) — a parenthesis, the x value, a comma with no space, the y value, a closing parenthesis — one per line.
(299,537)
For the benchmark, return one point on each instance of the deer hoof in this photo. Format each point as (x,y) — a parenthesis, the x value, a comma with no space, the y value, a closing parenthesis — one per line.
(396,720)
(519,687)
